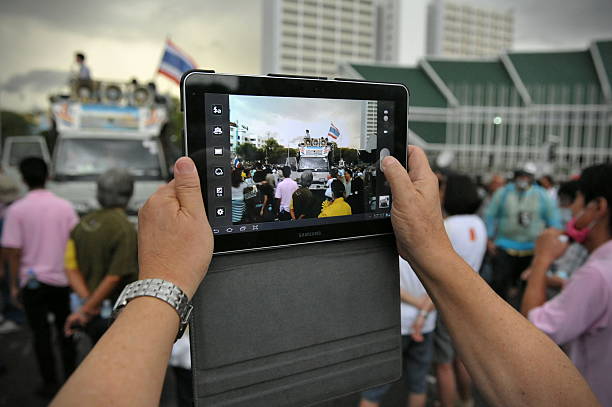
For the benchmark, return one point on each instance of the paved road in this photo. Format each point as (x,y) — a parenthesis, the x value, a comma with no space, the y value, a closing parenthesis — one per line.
(20,380)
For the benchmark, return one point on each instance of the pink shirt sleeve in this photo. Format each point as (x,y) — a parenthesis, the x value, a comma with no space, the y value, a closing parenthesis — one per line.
(579,307)
(12,236)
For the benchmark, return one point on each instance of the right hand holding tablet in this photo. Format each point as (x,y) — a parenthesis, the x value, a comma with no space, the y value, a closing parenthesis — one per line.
(416,213)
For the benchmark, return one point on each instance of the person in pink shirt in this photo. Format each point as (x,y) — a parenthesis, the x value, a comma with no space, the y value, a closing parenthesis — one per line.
(581,315)
(284,193)
(36,230)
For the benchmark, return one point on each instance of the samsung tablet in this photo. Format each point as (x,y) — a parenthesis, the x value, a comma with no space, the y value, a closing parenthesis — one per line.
(291,160)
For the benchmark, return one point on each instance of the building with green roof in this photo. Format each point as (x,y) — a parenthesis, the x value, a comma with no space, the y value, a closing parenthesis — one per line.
(494,115)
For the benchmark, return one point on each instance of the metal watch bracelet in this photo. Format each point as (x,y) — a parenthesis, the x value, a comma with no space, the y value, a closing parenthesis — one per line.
(161,289)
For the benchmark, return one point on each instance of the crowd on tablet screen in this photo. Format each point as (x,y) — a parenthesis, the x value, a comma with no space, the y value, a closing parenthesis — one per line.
(267,193)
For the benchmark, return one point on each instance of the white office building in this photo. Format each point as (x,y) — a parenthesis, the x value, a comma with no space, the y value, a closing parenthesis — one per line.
(456,29)
(369,125)
(312,37)
(388,30)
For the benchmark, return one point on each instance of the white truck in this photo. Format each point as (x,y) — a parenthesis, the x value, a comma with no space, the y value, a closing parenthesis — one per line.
(92,136)
(314,154)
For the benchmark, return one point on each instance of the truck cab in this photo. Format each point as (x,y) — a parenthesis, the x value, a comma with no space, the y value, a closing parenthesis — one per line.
(114,126)
(314,154)
(15,149)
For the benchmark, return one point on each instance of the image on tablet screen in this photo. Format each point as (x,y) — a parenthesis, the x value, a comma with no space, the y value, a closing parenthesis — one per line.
(290,161)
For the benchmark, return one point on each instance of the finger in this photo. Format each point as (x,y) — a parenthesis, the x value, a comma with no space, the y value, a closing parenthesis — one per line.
(418,164)
(402,188)
(187,186)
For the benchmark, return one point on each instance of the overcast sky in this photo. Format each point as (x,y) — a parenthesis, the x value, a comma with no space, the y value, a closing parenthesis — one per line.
(125,39)
(288,118)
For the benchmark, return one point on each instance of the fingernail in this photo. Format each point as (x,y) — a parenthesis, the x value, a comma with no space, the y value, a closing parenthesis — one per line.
(386,162)
(184,165)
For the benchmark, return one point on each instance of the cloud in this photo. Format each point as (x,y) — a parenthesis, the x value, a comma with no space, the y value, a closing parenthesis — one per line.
(38,80)
(558,24)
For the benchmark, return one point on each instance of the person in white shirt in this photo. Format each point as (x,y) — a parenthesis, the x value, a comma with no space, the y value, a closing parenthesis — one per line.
(418,320)
(83,74)
(468,235)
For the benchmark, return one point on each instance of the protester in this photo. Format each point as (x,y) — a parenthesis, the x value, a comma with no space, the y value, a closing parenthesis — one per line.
(333,174)
(102,254)
(337,207)
(10,315)
(83,74)
(346,180)
(34,236)
(548,183)
(238,186)
(417,323)
(284,192)
(271,180)
(517,214)
(511,362)
(357,199)
(468,236)
(495,182)
(575,255)
(304,204)
(9,192)
(260,208)
(581,315)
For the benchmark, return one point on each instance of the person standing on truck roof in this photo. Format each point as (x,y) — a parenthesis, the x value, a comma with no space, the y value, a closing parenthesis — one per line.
(34,236)
(102,255)
(83,74)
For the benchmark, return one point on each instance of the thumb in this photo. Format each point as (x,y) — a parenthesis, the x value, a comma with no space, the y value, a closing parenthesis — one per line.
(401,185)
(187,186)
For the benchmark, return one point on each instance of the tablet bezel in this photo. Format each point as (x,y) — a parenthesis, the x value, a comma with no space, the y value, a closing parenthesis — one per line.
(194,84)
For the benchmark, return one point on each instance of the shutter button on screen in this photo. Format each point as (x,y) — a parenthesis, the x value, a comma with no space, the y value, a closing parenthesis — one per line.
(383,153)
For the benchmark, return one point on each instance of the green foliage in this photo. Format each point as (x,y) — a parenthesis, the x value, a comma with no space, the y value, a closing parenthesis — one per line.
(248,152)
(349,155)
(271,151)
(15,124)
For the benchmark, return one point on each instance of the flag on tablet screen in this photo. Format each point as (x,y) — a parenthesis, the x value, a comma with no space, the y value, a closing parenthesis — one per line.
(333,132)
(174,62)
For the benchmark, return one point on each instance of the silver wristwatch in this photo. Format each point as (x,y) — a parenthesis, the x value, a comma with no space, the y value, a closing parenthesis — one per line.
(158,288)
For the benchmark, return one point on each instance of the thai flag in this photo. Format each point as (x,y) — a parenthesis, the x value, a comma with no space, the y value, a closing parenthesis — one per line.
(333,132)
(174,62)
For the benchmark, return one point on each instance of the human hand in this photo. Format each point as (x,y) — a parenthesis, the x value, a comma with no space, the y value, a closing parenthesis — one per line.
(417,328)
(75,319)
(416,213)
(549,247)
(526,273)
(175,242)
(425,303)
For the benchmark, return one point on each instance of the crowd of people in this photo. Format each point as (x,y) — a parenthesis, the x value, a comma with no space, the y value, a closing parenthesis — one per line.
(498,227)
(266,193)
(544,248)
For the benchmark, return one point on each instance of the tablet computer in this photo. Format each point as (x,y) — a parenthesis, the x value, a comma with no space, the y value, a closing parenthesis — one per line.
(256,140)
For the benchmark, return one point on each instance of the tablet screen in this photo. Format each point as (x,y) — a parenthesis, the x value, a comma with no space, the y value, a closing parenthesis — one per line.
(276,162)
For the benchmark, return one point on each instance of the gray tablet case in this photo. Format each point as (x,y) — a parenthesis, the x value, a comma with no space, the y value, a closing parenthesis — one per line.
(298,325)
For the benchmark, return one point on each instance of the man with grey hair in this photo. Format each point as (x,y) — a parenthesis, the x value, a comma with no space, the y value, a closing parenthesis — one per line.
(102,255)
(304,203)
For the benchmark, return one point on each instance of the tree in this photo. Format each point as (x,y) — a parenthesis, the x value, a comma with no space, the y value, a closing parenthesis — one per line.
(15,124)
(248,152)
